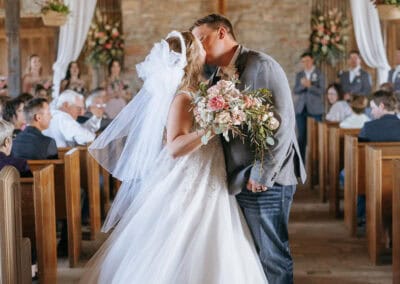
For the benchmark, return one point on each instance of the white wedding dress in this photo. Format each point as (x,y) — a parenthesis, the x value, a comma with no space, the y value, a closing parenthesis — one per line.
(182,228)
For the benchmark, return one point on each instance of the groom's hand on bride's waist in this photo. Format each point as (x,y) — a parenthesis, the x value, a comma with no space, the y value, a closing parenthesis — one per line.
(255,187)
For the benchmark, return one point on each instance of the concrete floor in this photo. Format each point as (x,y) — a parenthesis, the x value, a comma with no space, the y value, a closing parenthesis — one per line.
(322,250)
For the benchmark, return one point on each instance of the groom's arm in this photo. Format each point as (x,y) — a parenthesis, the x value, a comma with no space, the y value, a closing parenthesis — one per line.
(270,75)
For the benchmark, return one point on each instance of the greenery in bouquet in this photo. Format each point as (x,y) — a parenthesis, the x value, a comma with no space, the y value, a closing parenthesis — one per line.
(105,41)
(328,36)
(223,109)
(53,5)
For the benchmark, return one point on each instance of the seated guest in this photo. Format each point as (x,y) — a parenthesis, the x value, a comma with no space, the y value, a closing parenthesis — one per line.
(63,126)
(388,87)
(95,118)
(31,144)
(6,132)
(340,109)
(355,80)
(386,126)
(14,112)
(358,117)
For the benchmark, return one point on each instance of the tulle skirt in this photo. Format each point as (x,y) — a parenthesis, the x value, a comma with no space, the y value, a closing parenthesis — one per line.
(183,228)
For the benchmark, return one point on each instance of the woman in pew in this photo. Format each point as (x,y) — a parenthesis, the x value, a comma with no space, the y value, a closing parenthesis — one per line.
(6,132)
(14,112)
(358,116)
(339,108)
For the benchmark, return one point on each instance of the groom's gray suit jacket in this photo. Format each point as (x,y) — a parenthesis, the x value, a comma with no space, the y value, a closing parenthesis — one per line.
(283,164)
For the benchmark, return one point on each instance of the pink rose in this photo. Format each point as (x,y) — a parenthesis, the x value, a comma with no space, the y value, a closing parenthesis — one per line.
(108,45)
(216,103)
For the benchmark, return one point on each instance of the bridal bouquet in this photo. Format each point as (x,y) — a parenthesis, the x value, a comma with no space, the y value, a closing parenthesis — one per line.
(223,109)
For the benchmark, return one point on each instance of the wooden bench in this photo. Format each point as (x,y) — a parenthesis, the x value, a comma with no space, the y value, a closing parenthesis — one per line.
(90,181)
(105,194)
(354,182)
(336,164)
(323,143)
(396,223)
(379,188)
(39,220)
(15,251)
(67,197)
(312,153)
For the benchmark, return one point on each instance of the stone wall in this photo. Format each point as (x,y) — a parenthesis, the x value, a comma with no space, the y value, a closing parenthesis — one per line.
(278,28)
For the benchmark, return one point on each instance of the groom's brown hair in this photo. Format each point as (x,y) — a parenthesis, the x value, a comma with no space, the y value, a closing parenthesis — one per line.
(215,21)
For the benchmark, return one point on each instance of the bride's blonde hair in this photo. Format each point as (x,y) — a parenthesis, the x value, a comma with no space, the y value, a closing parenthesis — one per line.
(194,67)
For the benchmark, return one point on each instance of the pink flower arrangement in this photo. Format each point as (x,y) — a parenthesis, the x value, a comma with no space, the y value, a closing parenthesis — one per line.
(223,109)
(105,41)
(328,37)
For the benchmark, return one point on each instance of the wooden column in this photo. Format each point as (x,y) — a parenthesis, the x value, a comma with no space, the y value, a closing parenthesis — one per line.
(12,10)
(222,7)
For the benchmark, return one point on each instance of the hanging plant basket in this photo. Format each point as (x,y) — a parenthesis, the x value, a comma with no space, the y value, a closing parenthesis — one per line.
(388,12)
(54,19)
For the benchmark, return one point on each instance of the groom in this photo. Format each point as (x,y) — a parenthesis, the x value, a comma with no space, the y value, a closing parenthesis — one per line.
(265,192)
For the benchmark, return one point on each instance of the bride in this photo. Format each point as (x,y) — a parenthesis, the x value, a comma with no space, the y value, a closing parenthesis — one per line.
(175,221)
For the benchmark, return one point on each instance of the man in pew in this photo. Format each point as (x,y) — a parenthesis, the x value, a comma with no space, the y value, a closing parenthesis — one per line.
(384,128)
(31,144)
(386,125)
(95,118)
(64,128)
(6,132)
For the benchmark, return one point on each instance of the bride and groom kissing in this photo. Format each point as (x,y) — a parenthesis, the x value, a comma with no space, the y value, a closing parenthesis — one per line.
(187,212)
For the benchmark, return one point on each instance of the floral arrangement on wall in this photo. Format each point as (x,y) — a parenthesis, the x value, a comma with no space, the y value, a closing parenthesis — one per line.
(105,41)
(328,36)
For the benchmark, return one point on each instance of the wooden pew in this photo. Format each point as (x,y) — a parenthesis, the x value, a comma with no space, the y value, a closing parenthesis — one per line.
(354,182)
(39,220)
(323,143)
(312,153)
(379,185)
(105,196)
(336,164)
(396,223)
(90,181)
(15,251)
(67,197)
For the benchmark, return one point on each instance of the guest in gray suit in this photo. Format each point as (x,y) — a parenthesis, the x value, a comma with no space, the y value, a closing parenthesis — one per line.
(394,78)
(264,192)
(308,98)
(355,80)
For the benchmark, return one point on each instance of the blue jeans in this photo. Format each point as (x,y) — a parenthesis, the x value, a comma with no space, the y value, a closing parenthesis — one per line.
(301,122)
(267,214)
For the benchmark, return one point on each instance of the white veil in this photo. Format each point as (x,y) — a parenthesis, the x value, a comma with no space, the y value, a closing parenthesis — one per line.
(130,145)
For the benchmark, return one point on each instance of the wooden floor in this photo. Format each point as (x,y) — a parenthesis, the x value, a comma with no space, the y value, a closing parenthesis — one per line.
(322,250)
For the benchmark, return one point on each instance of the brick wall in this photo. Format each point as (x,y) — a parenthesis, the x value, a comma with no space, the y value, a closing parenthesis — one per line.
(278,28)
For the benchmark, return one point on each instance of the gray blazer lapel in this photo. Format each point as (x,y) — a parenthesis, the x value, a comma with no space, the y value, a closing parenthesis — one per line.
(241,60)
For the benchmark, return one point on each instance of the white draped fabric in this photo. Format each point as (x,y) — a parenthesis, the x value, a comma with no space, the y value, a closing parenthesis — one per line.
(72,38)
(369,37)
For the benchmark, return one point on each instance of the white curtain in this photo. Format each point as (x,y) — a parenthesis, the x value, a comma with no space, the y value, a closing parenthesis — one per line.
(369,37)
(72,38)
